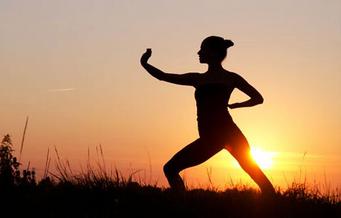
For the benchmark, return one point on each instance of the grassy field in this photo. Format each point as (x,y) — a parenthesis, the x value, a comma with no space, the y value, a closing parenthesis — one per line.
(96,193)
(113,198)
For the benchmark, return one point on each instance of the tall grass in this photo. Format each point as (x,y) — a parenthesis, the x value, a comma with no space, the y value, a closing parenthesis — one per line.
(96,191)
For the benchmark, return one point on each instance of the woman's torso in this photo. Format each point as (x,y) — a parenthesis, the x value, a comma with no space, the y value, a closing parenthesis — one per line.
(212,95)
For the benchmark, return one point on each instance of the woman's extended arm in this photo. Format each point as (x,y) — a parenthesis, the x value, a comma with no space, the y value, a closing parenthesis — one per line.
(244,86)
(180,79)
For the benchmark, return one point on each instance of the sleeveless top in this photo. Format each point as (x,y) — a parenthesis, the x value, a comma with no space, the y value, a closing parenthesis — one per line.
(212,101)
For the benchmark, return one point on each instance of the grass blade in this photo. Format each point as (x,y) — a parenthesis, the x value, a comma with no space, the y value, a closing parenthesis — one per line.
(23,139)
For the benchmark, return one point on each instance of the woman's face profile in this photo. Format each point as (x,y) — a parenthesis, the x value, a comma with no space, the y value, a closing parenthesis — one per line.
(205,54)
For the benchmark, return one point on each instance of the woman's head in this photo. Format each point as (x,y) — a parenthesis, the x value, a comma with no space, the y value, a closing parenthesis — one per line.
(214,49)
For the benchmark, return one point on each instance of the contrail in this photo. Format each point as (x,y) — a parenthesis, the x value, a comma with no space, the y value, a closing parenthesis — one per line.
(61,90)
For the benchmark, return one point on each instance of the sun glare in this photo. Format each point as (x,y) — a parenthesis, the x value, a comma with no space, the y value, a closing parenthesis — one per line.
(263,158)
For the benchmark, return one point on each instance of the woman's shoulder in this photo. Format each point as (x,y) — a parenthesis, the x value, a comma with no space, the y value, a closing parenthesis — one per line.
(230,76)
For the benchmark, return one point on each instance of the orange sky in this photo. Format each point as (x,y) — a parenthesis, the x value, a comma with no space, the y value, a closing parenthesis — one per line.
(73,68)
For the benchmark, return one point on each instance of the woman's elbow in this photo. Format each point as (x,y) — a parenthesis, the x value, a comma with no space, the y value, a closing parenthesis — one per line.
(260,100)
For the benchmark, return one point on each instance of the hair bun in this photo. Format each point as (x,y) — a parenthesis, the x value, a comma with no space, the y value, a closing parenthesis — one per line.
(228,43)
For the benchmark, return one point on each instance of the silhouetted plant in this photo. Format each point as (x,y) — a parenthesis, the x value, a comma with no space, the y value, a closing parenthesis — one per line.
(9,166)
(10,174)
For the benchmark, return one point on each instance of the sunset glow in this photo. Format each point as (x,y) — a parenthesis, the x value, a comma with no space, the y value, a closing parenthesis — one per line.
(73,67)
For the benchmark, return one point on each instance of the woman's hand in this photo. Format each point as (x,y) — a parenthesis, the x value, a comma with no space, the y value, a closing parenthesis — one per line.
(146,56)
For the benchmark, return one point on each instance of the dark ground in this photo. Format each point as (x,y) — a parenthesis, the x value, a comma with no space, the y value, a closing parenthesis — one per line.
(133,200)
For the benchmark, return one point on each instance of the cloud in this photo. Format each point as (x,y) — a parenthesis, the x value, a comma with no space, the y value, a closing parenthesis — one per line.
(61,90)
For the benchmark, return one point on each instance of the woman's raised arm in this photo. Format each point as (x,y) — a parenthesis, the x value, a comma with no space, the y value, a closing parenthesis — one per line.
(189,79)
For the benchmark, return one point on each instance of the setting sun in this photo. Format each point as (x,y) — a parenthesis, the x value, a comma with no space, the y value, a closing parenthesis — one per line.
(263,158)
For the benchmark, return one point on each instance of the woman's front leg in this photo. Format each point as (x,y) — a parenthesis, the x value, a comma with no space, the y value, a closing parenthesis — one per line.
(193,154)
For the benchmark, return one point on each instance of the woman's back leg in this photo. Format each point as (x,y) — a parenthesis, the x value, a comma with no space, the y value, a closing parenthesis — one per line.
(240,150)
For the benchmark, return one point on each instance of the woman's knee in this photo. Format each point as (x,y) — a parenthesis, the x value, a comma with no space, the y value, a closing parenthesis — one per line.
(169,169)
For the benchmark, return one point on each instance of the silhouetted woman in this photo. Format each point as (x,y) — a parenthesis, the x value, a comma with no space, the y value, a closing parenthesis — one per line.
(216,127)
